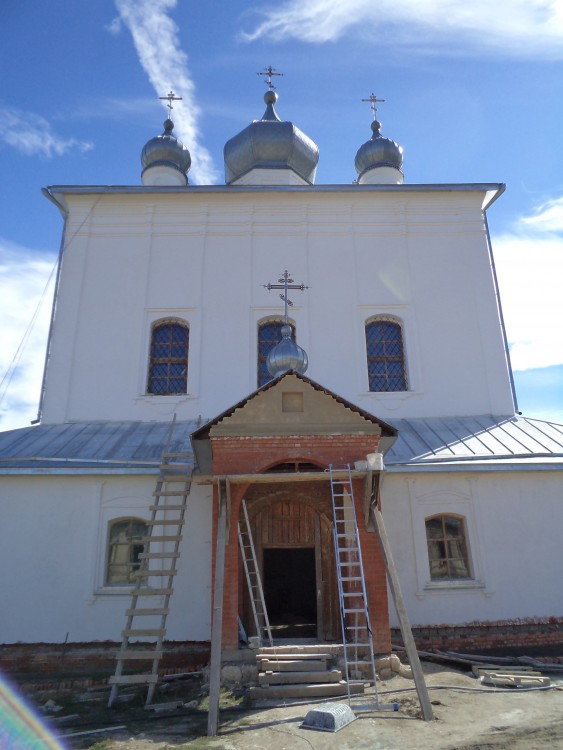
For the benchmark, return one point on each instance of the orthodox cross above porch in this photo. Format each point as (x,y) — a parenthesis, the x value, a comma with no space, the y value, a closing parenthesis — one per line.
(285,283)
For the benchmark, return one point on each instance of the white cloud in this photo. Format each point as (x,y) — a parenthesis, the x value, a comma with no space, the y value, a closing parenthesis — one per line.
(529,262)
(32,134)
(155,36)
(25,308)
(523,28)
(548,217)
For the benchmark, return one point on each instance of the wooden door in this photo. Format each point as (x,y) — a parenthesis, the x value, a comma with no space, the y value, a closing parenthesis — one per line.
(286,520)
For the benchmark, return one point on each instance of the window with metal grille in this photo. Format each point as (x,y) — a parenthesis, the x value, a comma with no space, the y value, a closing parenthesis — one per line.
(125,545)
(385,356)
(269,334)
(447,547)
(168,368)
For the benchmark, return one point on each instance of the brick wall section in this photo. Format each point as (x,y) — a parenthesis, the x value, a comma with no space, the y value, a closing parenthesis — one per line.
(250,455)
(537,635)
(89,663)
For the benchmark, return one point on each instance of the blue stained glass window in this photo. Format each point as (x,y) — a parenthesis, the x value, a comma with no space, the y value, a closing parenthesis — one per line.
(168,368)
(385,356)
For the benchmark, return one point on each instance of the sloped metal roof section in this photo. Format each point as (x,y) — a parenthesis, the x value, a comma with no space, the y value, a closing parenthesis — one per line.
(91,447)
(476,440)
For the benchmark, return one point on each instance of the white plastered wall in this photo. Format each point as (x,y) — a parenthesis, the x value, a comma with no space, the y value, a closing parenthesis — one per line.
(54,539)
(515,554)
(205,257)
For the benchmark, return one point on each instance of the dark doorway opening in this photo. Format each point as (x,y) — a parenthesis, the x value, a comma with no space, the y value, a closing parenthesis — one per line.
(290,591)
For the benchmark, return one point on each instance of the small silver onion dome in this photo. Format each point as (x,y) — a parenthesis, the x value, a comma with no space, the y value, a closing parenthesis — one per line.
(270,143)
(286,355)
(166,150)
(378,152)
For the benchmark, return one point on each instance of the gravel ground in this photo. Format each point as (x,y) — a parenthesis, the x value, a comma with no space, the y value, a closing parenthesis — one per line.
(477,719)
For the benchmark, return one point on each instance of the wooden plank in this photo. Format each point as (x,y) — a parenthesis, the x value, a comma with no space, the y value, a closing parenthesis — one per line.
(165,507)
(146,612)
(152,592)
(129,655)
(217,623)
(404,622)
(158,555)
(154,572)
(133,679)
(513,680)
(277,478)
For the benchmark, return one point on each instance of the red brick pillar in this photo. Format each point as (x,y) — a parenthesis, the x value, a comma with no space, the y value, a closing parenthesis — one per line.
(375,577)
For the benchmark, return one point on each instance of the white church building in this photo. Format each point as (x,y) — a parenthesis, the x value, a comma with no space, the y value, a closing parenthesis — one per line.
(162,308)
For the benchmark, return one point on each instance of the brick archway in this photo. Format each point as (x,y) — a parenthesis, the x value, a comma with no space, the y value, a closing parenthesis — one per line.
(285,519)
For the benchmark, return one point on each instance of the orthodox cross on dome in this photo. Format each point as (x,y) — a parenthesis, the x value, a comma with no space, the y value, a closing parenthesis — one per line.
(269,73)
(171,96)
(285,283)
(374,101)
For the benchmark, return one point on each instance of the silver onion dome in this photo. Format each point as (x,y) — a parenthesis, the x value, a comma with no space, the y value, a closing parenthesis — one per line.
(378,152)
(166,150)
(286,355)
(271,143)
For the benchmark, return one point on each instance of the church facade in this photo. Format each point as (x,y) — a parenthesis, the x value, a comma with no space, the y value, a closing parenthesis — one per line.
(162,308)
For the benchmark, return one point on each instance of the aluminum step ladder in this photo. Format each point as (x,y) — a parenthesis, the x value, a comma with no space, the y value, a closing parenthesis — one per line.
(153,588)
(354,614)
(253,579)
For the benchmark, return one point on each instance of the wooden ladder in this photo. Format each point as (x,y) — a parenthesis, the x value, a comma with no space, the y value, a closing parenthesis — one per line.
(252,572)
(155,576)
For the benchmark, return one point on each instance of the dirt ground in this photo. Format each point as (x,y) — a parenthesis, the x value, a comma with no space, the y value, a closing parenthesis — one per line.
(476,718)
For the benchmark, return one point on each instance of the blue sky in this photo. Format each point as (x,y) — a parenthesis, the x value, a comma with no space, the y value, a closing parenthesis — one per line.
(474,93)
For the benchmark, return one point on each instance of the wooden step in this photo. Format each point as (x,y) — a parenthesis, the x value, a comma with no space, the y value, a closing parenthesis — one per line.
(133,679)
(153,573)
(166,522)
(158,555)
(152,592)
(166,507)
(298,678)
(170,493)
(159,632)
(146,612)
(161,538)
(131,655)
(305,691)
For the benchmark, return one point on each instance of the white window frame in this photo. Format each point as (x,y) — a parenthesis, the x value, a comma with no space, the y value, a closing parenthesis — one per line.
(402,315)
(185,315)
(450,503)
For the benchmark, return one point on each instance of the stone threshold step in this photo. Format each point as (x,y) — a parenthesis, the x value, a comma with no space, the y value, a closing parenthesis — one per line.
(292,665)
(296,678)
(304,691)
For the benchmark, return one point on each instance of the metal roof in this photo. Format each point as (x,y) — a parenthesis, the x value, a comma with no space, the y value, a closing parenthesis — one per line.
(477,442)
(477,439)
(91,447)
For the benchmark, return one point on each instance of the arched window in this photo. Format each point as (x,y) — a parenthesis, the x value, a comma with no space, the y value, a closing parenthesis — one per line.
(168,367)
(125,544)
(447,547)
(269,334)
(385,355)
